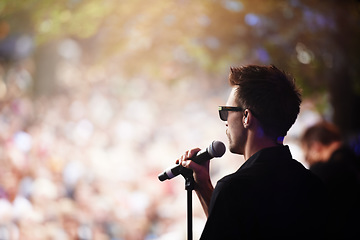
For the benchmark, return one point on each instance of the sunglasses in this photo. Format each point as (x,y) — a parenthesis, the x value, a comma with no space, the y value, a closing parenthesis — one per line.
(224,111)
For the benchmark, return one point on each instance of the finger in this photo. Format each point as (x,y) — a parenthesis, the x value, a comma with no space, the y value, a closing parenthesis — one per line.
(186,163)
(188,154)
(191,153)
(179,160)
(183,157)
(193,165)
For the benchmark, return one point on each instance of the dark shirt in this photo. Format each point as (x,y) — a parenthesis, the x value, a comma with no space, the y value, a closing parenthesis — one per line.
(340,175)
(271,196)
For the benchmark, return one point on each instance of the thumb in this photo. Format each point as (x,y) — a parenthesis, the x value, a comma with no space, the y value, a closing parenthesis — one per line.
(194,166)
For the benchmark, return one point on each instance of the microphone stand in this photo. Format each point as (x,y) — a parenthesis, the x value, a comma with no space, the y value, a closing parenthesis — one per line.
(189,186)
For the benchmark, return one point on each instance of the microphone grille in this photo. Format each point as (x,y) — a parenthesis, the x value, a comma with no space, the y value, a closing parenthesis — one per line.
(217,148)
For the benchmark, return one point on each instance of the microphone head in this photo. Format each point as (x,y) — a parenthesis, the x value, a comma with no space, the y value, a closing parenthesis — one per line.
(217,149)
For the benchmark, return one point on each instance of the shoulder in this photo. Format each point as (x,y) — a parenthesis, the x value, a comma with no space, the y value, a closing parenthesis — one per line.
(233,192)
(238,183)
(271,175)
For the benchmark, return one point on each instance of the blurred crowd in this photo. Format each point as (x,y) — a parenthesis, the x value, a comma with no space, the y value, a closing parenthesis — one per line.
(82,162)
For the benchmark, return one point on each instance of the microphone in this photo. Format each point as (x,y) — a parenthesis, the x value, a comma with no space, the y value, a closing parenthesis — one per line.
(215,149)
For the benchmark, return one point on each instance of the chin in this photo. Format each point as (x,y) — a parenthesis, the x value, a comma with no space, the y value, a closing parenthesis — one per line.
(235,150)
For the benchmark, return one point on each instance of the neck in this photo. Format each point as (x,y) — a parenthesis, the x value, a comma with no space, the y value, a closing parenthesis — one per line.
(256,143)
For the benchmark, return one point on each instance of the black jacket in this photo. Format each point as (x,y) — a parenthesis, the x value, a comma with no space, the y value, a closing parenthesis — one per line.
(341,177)
(271,196)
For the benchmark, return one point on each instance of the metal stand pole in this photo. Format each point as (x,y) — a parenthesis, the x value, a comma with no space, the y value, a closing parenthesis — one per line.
(189,186)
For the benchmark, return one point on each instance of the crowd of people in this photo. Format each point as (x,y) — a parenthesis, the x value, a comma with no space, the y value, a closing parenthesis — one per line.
(82,163)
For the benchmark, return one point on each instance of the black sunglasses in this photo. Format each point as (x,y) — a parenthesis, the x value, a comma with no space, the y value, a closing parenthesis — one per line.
(224,111)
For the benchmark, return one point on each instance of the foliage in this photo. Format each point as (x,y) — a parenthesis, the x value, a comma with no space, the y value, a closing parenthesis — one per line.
(317,41)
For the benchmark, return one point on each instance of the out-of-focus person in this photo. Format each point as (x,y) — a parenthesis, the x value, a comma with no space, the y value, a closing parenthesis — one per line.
(338,167)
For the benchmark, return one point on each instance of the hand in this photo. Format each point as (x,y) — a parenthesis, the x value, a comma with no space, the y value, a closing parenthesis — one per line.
(203,185)
(201,171)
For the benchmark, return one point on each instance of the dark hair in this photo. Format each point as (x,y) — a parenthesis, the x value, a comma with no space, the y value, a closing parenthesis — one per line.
(270,94)
(323,132)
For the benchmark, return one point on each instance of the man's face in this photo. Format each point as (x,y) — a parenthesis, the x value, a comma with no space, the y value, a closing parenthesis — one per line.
(313,152)
(235,131)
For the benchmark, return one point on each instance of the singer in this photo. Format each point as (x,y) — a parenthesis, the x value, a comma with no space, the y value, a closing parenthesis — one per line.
(271,196)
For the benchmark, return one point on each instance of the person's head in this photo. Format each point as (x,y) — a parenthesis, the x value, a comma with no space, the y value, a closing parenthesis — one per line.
(319,141)
(269,94)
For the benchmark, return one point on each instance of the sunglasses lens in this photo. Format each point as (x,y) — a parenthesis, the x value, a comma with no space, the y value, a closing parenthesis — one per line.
(223,115)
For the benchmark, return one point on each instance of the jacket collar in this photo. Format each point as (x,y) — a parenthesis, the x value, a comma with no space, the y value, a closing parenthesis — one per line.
(267,154)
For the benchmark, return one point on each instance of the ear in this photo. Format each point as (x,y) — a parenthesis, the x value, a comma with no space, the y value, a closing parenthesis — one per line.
(317,146)
(315,151)
(247,118)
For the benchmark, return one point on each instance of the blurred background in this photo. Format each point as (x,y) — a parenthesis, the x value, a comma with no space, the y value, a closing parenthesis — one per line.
(97,97)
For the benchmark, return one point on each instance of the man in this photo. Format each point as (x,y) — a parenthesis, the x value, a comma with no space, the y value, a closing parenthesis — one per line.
(271,196)
(338,167)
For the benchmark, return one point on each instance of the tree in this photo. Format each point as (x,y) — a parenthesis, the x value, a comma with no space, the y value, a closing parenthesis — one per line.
(316,41)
